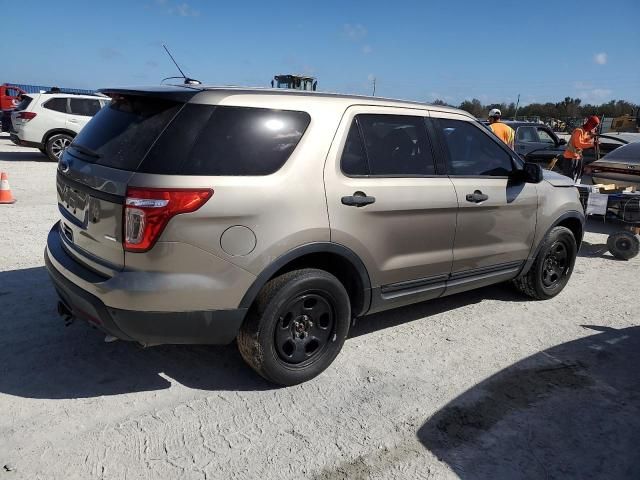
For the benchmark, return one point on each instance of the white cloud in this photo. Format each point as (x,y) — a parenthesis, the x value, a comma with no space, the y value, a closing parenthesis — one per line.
(354,32)
(595,95)
(367,49)
(600,58)
(184,10)
(582,85)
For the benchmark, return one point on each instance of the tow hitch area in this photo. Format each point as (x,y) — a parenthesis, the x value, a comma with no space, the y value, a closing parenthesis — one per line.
(65,313)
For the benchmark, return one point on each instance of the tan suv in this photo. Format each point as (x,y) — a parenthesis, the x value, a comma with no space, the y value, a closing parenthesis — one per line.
(200,215)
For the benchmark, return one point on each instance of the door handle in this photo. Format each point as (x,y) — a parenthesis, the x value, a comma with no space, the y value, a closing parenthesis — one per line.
(477,197)
(358,199)
(73,120)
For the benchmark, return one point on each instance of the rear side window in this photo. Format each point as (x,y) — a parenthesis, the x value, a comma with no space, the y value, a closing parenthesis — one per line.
(472,152)
(84,106)
(354,159)
(120,134)
(56,104)
(397,145)
(221,140)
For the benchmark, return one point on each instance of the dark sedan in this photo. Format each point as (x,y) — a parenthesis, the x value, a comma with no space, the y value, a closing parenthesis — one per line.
(622,167)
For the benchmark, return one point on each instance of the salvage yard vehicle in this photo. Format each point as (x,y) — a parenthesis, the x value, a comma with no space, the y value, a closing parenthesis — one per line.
(622,167)
(537,142)
(198,215)
(10,97)
(50,121)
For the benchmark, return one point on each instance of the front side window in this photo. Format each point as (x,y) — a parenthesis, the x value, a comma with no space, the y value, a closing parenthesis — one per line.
(84,106)
(545,137)
(396,145)
(527,134)
(56,104)
(472,152)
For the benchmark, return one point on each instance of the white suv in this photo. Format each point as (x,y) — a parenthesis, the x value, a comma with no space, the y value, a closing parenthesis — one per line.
(49,121)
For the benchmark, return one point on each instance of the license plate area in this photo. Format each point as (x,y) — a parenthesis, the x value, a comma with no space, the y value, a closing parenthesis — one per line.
(75,204)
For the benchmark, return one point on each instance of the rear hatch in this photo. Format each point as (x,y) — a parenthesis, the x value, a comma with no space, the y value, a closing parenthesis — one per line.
(95,170)
(17,115)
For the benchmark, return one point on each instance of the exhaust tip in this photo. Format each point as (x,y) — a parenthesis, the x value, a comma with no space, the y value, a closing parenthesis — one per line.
(65,313)
(63,310)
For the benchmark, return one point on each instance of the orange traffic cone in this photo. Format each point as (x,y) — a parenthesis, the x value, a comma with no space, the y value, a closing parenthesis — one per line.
(5,191)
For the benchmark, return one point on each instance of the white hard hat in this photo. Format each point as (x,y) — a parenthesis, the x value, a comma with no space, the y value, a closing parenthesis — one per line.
(495,112)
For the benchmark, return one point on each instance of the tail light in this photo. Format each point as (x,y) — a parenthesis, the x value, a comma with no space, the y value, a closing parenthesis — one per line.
(148,210)
(26,115)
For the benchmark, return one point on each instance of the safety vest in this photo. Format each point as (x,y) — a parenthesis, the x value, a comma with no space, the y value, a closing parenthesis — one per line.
(572,149)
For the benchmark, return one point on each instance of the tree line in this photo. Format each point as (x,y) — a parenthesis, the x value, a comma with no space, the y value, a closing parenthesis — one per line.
(569,107)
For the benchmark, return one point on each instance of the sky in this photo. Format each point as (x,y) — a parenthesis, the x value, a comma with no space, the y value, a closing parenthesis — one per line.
(453,50)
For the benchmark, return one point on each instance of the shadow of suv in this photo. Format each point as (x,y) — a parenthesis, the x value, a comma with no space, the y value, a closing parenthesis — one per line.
(194,214)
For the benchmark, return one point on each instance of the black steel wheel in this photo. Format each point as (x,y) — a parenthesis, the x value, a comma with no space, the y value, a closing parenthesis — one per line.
(552,266)
(555,264)
(296,327)
(304,328)
(623,245)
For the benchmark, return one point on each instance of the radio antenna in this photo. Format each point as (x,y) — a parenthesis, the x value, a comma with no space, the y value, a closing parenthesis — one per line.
(187,80)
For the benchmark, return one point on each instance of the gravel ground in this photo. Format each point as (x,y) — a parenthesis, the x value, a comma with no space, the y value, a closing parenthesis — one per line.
(480,385)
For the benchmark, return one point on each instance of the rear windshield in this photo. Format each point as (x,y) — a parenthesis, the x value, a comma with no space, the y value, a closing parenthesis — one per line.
(24,103)
(627,153)
(212,140)
(120,134)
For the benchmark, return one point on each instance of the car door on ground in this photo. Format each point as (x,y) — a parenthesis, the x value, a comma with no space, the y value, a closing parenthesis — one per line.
(497,216)
(405,228)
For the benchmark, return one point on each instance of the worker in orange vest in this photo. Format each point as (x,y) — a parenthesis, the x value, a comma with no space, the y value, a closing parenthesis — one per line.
(581,139)
(502,131)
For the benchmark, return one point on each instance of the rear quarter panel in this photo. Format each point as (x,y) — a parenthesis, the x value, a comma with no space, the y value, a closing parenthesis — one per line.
(283,210)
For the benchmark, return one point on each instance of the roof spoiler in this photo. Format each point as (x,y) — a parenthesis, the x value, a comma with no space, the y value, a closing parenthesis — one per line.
(170,92)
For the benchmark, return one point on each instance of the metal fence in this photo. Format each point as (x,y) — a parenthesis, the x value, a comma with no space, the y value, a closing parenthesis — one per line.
(43,88)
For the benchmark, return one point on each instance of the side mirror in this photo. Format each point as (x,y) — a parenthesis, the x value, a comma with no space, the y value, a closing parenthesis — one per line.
(562,141)
(530,173)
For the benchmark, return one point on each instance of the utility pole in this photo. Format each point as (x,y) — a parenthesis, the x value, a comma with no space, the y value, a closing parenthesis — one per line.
(374,87)
(515,115)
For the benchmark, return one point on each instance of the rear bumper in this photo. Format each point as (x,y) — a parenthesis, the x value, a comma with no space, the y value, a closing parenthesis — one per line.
(193,327)
(23,143)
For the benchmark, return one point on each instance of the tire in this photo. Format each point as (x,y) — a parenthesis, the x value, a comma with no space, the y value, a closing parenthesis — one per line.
(623,245)
(296,327)
(56,144)
(552,266)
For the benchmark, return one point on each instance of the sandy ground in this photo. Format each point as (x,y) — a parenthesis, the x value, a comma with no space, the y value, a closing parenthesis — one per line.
(481,385)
